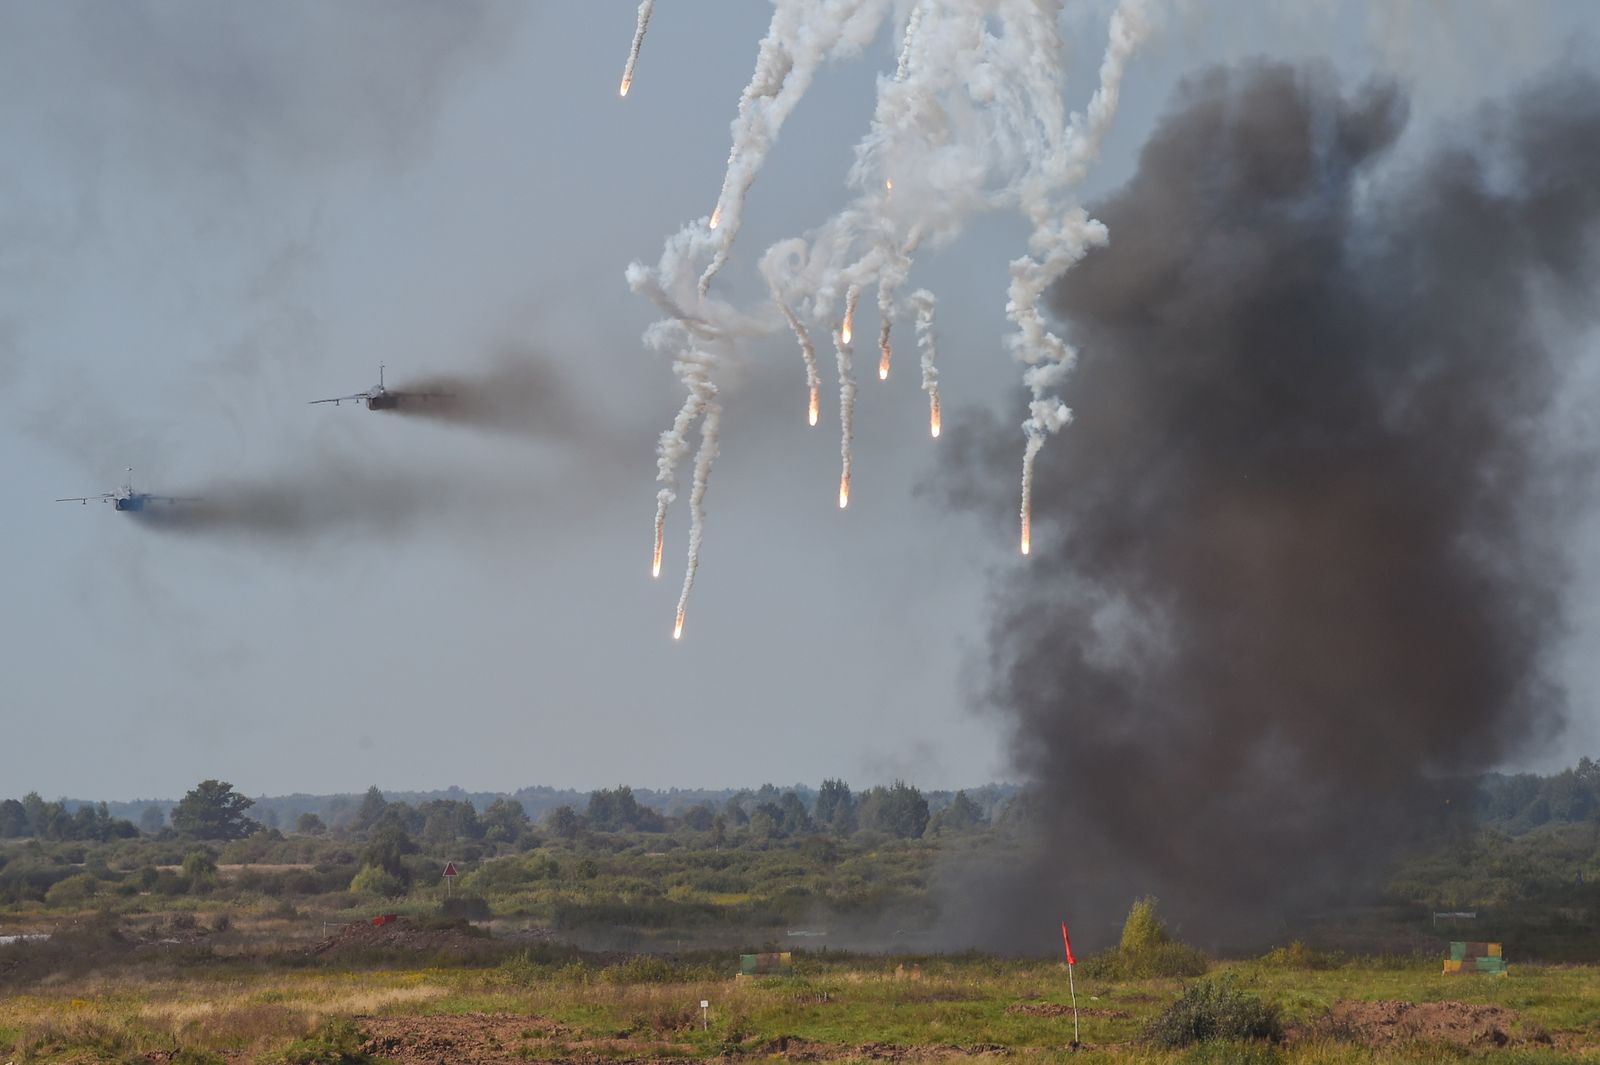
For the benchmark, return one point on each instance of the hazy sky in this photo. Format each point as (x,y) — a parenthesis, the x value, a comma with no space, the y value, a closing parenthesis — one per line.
(211,213)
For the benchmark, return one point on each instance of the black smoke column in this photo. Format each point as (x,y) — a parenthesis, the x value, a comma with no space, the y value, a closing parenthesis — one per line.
(1298,563)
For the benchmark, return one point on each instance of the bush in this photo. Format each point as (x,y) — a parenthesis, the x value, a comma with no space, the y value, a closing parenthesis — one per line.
(466,907)
(375,881)
(653,969)
(1147,950)
(1211,1011)
(335,1042)
(1299,956)
(75,890)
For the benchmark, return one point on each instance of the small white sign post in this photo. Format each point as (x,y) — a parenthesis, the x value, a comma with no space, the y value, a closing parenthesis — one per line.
(705,1004)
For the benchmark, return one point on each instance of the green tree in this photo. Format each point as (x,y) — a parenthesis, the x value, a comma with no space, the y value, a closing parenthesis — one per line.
(310,824)
(1144,929)
(899,810)
(836,807)
(563,823)
(213,810)
(504,821)
(371,808)
(13,819)
(200,870)
(153,820)
(386,850)
(699,817)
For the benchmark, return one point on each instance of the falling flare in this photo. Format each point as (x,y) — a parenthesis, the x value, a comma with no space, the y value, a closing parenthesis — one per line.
(851,295)
(716,215)
(885,351)
(933,416)
(888,183)
(812,413)
(1026,542)
(677,628)
(844,490)
(638,42)
(655,564)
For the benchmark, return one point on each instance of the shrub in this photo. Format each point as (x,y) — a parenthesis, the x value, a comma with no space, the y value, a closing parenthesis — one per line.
(653,969)
(334,1042)
(75,890)
(1147,950)
(1299,956)
(1143,930)
(466,907)
(1211,1011)
(375,881)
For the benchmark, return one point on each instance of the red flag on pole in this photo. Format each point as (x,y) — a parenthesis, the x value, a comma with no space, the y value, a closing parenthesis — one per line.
(1068,944)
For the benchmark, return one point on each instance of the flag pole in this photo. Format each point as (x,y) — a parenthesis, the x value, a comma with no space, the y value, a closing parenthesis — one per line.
(1073,987)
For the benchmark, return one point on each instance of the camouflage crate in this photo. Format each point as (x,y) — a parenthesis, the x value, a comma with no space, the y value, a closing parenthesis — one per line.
(766,965)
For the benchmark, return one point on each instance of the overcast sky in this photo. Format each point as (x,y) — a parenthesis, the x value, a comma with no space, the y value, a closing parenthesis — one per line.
(212,213)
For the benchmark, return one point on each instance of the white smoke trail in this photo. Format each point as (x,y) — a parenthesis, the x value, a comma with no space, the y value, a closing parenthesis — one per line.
(645,8)
(703,460)
(699,343)
(808,351)
(923,301)
(802,35)
(972,120)
(1060,239)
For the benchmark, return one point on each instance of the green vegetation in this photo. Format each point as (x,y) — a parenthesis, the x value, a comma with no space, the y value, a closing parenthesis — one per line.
(1146,950)
(1213,1011)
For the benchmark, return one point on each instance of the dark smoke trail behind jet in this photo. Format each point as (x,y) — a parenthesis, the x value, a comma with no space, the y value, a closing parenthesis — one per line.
(519,394)
(1299,561)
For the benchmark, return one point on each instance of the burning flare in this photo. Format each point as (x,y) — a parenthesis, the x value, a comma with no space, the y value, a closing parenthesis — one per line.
(716,216)
(655,564)
(638,42)
(933,416)
(811,414)
(844,490)
(1027,535)
(885,352)
(677,628)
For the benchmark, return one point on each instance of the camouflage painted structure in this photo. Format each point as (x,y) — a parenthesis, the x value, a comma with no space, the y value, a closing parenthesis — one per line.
(766,965)
(1475,958)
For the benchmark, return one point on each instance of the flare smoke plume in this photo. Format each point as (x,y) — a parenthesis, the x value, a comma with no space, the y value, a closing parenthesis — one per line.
(1302,562)
(972,119)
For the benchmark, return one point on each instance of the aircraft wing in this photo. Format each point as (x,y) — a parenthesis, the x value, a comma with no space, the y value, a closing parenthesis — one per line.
(87,499)
(343,399)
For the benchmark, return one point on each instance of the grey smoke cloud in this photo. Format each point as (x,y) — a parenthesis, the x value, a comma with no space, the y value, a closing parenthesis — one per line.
(519,393)
(1300,561)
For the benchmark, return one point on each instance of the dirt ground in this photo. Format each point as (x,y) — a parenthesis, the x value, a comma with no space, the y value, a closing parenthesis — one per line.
(1057,1009)
(1386,1023)
(402,934)
(506,1040)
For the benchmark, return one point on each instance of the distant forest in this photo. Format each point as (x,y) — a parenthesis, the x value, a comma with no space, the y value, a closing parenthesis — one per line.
(1511,804)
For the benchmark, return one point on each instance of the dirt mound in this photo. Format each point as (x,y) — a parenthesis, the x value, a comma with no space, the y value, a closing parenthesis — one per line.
(794,1048)
(1386,1023)
(500,1039)
(401,934)
(1057,1009)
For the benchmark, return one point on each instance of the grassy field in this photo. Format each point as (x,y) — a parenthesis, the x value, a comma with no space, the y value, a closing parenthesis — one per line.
(537,1006)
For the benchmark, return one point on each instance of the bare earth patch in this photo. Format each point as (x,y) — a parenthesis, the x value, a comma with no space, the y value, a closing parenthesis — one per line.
(1386,1023)
(1057,1009)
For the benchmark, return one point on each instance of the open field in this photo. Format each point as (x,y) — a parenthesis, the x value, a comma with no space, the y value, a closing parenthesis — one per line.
(558,1006)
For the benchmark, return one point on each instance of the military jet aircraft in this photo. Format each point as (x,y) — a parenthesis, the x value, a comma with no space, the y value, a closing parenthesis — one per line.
(125,498)
(379,397)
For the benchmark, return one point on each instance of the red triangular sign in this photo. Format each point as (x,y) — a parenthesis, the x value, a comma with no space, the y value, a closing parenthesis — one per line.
(449,868)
